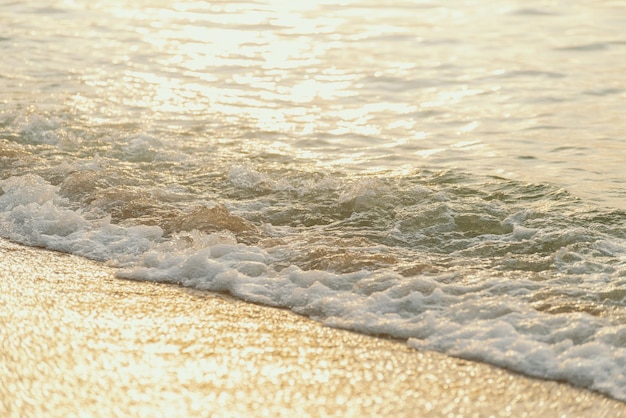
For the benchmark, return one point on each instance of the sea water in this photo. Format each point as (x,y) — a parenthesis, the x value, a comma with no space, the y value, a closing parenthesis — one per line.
(446,173)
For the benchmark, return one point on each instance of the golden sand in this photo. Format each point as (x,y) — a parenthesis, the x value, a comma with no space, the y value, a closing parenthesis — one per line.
(76,341)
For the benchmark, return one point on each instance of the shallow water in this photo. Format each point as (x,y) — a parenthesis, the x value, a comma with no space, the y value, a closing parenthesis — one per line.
(446,175)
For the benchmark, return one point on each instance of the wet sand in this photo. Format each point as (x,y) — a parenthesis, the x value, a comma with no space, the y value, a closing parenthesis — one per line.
(74,340)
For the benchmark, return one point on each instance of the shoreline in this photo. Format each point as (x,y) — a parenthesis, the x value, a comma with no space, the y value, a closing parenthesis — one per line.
(75,340)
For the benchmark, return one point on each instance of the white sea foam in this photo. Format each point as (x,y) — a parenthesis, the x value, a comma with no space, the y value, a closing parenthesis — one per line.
(481,321)
(471,323)
(32,212)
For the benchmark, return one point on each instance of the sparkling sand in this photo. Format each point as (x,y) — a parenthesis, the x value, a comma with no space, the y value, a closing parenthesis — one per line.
(76,341)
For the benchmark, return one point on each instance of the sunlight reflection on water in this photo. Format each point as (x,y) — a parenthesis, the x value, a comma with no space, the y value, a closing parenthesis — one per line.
(537,90)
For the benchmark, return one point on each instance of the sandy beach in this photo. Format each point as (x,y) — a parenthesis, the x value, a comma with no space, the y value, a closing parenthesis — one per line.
(76,341)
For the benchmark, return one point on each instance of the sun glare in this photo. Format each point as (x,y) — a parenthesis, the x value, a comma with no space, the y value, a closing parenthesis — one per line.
(248,59)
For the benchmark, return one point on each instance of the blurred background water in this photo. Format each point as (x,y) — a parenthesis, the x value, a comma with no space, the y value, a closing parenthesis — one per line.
(446,174)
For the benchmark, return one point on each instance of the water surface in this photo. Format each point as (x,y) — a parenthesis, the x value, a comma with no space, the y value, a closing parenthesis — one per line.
(449,175)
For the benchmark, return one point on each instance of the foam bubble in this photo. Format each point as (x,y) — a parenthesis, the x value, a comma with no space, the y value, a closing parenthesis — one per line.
(32,212)
(475,317)
(247,178)
(464,322)
(39,129)
(23,190)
